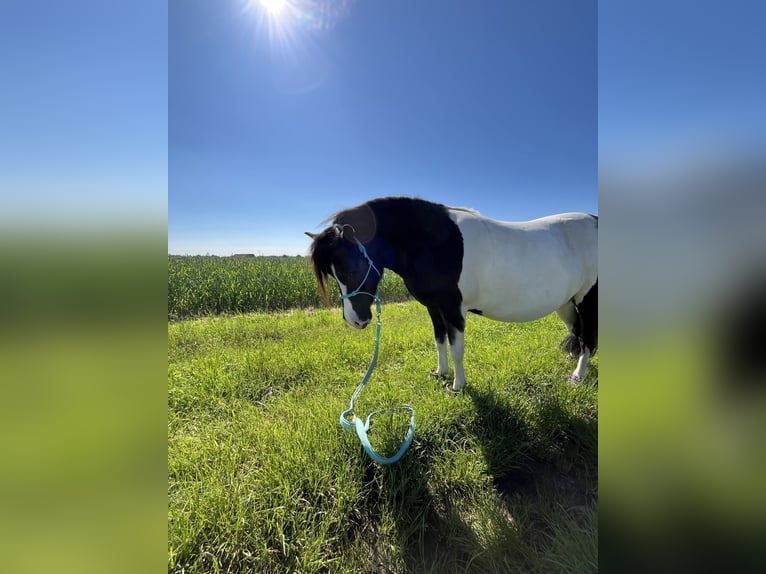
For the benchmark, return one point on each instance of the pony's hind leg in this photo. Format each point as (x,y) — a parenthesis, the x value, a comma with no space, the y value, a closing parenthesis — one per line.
(571,344)
(583,339)
(582,366)
(588,313)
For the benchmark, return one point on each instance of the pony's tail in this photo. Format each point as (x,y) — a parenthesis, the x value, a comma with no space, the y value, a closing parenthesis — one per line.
(584,334)
(573,345)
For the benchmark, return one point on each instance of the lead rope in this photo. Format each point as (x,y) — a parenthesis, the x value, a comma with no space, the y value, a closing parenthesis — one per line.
(356,423)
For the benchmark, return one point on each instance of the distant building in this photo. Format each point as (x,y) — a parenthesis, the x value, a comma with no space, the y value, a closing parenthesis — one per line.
(244,255)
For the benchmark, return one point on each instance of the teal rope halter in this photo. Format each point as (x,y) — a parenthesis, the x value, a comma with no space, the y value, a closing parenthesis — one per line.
(356,423)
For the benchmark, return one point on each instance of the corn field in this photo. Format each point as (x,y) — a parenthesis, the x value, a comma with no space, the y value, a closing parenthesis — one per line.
(210,285)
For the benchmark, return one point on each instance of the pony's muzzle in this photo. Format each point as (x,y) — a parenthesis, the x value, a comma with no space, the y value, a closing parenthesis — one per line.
(357,324)
(358,318)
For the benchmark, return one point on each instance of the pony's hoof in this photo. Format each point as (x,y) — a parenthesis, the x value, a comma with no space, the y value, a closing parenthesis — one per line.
(448,389)
(438,375)
(574,379)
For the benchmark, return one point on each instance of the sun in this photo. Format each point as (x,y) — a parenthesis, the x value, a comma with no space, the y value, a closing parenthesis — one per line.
(274,7)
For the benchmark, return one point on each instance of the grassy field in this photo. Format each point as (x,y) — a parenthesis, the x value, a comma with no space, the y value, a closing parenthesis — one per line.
(262,478)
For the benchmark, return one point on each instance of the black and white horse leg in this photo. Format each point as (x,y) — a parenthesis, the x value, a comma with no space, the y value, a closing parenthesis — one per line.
(587,311)
(440,336)
(455,320)
(582,366)
(582,321)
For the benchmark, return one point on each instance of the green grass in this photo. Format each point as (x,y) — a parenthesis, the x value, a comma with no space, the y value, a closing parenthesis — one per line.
(209,285)
(262,478)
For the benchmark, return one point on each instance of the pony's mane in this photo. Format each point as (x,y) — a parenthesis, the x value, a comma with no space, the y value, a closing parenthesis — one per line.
(321,247)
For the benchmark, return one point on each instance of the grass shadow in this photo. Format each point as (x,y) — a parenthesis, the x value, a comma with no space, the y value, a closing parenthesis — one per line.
(427,522)
(557,456)
(543,467)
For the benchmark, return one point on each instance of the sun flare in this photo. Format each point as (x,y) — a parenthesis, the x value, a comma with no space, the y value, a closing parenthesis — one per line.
(274,7)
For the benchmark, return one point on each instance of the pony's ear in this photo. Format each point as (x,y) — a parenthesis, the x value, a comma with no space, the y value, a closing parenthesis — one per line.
(312,235)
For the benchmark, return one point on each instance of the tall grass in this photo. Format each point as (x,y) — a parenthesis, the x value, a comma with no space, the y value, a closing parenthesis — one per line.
(209,285)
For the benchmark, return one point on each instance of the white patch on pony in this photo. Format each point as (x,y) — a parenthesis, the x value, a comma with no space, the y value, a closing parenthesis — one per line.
(457,349)
(522,271)
(349,315)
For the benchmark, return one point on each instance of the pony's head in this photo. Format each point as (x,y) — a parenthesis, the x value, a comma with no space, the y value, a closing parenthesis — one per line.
(337,252)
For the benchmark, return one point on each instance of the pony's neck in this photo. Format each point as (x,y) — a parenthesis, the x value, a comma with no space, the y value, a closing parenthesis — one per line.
(372,226)
(384,254)
(392,227)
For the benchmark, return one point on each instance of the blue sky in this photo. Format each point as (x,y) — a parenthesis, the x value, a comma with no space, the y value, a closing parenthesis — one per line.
(277,121)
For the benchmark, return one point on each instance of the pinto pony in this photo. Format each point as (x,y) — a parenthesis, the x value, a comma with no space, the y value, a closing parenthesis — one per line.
(456,261)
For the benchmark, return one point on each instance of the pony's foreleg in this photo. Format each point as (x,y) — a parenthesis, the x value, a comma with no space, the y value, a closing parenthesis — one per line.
(457,350)
(450,322)
(442,367)
(440,336)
